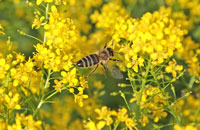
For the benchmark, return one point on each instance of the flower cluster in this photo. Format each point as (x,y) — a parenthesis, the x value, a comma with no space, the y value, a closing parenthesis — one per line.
(190,51)
(25,122)
(155,34)
(79,11)
(153,102)
(22,72)
(192,7)
(15,68)
(110,14)
(58,51)
(55,52)
(156,49)
(190,54)
(106,116)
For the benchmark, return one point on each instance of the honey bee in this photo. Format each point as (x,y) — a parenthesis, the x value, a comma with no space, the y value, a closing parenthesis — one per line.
(101,57)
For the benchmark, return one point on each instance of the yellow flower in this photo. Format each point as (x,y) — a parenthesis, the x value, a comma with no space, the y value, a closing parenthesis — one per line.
(22,121)
(70,77)
(153,102)
(83,82)
(130,123)
(155,35)
(122,115)
(58,85)
(110,14)
(105,114)
(58,50)
(12,100)
(187,127)
(92,126)
(3,68)
(173,68)
(190,54)
(21,72)
(38,2)
(144,120)
(78,98)
(37,22)
(158,114)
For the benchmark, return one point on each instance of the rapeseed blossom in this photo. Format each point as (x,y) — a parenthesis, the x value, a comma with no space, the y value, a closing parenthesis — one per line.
(173,67)
(190,54)
(110,14)
(158,40)
(153,102)
(191,49)
(107,117)
(25,122)
(55,52)
(159,48)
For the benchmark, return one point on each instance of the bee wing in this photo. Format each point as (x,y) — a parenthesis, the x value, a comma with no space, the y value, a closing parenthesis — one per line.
(116,73)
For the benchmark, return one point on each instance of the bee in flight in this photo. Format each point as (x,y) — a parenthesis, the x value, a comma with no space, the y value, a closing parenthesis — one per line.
(101,57)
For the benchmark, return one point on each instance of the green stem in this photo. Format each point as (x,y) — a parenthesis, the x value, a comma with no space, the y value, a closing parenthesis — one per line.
(23,33)
(46,17)
(41,80)
(46,12)
(48,78)
(115,127)
(131,81)
(51,95)
(160,127)
(38,107)
(110,127)
(142,89)
(162,91)
(192,79)
(42,99)
(123,96)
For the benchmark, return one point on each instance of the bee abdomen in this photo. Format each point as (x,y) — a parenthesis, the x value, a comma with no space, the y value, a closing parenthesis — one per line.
(88,61)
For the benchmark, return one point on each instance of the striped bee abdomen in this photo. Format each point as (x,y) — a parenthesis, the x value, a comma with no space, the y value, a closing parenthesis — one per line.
(88,61)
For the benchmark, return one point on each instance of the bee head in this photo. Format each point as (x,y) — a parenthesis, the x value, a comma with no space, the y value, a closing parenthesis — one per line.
(110,50)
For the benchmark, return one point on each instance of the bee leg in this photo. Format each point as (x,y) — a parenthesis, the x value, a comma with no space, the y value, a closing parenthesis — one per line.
(115,60)
(92,71)
(105,69)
